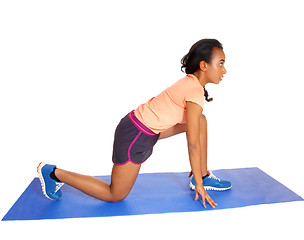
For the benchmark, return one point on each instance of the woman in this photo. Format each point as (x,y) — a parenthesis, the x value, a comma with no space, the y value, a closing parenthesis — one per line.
(177,109)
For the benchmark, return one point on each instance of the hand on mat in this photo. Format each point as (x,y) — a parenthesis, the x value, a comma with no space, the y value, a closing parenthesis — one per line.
(199,189)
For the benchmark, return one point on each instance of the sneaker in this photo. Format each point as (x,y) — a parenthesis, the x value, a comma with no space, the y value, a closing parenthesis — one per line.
(50,187)
(211,182)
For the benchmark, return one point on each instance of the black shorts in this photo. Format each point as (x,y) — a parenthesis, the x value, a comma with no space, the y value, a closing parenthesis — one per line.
(133,141)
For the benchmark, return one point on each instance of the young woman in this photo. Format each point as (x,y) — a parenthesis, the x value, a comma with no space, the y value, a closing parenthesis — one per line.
(177,109)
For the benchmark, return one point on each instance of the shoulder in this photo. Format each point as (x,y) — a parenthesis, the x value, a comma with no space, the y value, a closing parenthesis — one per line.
(193,86)
(187,82)
(195,92)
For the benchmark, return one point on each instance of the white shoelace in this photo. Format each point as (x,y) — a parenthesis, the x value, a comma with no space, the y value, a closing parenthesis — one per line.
(211,175)
(58,186)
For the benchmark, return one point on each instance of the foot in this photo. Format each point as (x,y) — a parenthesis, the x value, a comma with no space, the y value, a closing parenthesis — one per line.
(211,182)
(50,187)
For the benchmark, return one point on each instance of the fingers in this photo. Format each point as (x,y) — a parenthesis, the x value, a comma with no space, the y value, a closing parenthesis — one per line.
(199,190)
(204,198)
(196,196)
(213,202)
(204,203)
(210,201)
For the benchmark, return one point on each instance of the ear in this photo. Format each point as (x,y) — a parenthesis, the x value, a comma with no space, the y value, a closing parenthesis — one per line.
(203,66)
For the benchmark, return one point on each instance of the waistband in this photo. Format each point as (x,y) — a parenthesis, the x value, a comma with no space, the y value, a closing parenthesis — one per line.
(140,125)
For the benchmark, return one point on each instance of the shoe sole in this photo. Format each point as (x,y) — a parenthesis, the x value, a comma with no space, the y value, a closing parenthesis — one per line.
(192,187)
(40,166)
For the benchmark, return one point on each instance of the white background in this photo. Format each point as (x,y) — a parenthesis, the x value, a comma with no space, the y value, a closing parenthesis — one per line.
(70,70)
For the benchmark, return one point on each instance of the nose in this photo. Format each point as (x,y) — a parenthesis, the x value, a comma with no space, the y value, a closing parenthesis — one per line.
(224,71)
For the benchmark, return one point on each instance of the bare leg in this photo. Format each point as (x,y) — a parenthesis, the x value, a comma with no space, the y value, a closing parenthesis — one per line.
(123,177)
(122,180)
(180,128)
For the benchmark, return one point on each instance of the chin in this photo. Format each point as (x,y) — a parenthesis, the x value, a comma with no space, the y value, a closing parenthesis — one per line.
(216,82)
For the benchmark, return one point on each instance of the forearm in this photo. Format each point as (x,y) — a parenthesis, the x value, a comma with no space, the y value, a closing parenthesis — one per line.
(195,162)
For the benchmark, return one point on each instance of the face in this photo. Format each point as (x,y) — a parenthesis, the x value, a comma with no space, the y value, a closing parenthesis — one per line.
(215,70)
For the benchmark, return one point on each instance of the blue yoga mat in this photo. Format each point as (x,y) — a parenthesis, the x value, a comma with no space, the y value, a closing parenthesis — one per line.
(153,193)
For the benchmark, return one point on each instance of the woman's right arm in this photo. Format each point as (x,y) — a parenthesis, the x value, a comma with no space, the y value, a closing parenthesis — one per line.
(194,112)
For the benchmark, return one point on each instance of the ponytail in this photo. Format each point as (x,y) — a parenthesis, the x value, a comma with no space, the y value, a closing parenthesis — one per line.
(207,95)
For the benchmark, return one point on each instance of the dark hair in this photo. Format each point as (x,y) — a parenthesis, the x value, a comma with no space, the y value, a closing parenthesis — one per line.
(200,51)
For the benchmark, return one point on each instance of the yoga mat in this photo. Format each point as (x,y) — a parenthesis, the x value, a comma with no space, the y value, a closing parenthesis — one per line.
(153,193)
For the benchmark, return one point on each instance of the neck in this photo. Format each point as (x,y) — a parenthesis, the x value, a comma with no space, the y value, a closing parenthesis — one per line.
(201,78)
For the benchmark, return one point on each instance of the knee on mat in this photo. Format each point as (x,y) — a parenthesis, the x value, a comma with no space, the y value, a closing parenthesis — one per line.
(116,199)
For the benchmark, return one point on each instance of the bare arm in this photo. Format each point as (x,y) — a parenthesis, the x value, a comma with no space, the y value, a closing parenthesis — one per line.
(194,112)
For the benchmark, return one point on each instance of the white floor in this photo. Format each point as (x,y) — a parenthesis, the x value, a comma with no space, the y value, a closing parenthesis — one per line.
(264,221)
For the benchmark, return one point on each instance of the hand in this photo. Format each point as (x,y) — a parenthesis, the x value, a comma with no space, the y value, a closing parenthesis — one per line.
(199,189)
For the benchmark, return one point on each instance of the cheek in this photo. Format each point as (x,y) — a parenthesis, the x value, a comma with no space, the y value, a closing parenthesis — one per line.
(220,72)
(217,72)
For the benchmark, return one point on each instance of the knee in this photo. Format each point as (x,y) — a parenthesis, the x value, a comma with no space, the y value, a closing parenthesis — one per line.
(116,199)
(111,198)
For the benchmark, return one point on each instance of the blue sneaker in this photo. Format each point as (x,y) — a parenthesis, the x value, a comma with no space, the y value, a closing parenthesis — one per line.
(50,187)
(212,183)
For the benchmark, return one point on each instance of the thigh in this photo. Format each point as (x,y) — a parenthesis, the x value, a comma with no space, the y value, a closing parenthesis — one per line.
(176,129)
(123,179)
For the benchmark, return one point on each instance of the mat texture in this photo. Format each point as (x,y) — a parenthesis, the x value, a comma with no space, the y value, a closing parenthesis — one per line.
(153,193)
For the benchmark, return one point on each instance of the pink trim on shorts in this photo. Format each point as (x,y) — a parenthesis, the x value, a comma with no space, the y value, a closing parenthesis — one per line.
(129,152)
(140,125)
